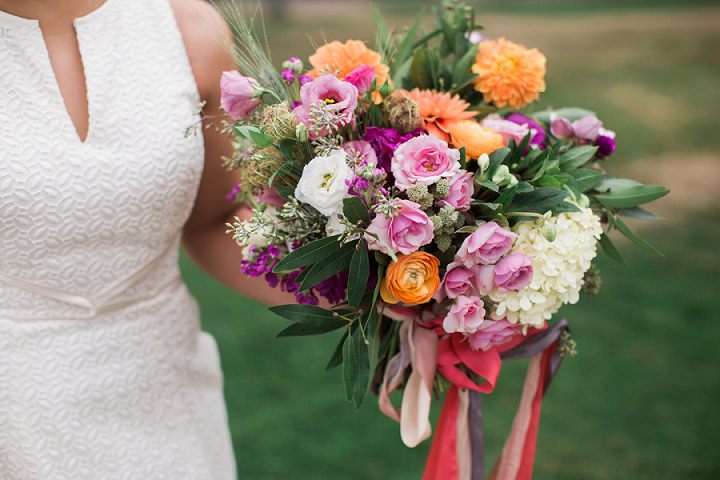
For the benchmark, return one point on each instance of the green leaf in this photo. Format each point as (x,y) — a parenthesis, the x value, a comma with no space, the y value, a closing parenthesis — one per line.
(506,198)
(358,275)
(362,372)
(577,157)
(337,357)
(497,158)
(307,314)
(463,157)
(421,70)
(539,200)
(355,211)
(610,250)
(517,150)
(637,240)
(329,266)
(406,45)
(254,134)
(631,196)
(462,72)
(586,179)
(616,184)
(302,329)
(638,213)
(350,366)
(308,254)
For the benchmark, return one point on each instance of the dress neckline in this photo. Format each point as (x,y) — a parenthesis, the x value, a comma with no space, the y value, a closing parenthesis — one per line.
(34,22)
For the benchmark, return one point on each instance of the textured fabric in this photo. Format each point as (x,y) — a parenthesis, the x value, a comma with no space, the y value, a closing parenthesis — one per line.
(104,372)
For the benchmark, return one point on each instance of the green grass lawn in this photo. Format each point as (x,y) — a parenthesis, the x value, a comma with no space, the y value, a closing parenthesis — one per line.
(640,400)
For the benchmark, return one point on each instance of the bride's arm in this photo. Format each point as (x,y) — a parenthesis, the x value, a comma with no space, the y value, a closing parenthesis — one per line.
(204,239)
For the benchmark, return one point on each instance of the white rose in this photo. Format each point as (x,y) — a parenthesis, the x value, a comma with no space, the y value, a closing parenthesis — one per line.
(322,183)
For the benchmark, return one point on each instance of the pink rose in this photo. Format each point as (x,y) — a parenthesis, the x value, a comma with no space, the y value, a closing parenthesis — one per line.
(460,280)
(423,160)
(461,191)
(362,151)
(239,95)
(331,93)
(465,316)
(561,127)
(485,245)
(506,128)
(493,333)
(362,77)
(513,272)
(404,233)
(486,279)
(587,128)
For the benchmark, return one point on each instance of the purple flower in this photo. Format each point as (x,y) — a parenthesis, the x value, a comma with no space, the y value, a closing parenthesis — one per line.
(288,76)
(537,131)
(233,193)
(294,64)
(303,79)
(333,288)
(385,141)
(605,142)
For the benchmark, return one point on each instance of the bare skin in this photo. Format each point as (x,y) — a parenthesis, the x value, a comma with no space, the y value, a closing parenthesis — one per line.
(205,34)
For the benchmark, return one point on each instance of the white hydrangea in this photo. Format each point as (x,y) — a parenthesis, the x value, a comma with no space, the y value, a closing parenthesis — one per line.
(558,267)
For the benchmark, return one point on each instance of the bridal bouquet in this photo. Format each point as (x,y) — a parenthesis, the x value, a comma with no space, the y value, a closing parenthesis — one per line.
(443,227)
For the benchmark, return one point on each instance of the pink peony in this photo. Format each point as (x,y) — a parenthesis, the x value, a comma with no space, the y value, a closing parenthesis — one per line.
(513,272)
(362,77)
(506,128)
(462,189)
(493,333)
(330,93)
(404,233)
(465,316)
(362,151)
(423,160)
(239,95)
(460,280)
(485,245)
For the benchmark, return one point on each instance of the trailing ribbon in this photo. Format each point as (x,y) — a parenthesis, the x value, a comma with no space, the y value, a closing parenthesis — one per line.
(457,450)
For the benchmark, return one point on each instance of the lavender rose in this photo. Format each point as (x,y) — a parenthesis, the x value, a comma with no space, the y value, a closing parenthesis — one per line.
(404,233)
(485,245)
(239,95)
(461,191)
(424,160)
(513,272)
(465,316)
(493,333)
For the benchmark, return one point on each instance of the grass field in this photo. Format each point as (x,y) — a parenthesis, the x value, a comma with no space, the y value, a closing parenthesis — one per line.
(640,400)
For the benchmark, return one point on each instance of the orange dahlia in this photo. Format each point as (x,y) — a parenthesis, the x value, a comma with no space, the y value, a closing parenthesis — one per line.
(342,58)
(439,111)
(509,74)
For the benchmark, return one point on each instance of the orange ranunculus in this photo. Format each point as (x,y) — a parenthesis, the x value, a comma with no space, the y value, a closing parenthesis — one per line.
(342,58)
(509,74)
(439,110)
(475,138)
(413,279)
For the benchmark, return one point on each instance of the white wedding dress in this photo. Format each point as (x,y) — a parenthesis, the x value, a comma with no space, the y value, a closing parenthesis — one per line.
(104,372)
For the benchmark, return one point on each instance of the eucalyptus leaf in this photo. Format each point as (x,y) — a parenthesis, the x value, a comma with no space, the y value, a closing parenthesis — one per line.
(358,275)
(631,196)
(308,254)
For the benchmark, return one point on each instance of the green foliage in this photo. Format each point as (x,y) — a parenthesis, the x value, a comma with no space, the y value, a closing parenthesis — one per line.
(355,211)
(631,196)
(309,319)
(358,275)
(329,266)
(308,254)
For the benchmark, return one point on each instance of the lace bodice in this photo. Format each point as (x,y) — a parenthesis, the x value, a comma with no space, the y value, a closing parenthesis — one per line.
(105,372)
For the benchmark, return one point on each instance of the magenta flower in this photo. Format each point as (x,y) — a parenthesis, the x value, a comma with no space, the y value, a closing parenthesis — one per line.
(424,160)
(330,93)
(385,141)
(362,77)
(405,232)
(288,76)
(461,193)
(493,333)
(514,272)
(465,316)
(606,145)
(485,245)
(239,95)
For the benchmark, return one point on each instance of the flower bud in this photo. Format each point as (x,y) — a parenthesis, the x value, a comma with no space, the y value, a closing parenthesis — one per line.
(483,162)
(547,229)
(294,64)
(301,132)
(385,89)
(403,113)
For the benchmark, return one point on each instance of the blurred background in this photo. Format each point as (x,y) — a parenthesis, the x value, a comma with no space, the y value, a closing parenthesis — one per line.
(640,401)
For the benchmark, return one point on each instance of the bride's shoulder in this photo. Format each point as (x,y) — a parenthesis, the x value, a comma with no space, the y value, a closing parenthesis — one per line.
(207,38)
